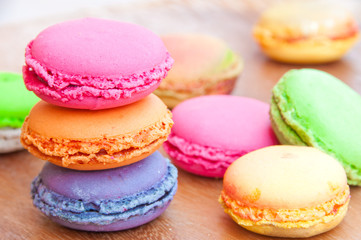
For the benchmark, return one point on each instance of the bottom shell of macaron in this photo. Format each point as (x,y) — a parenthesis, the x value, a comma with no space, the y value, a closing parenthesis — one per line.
(107,214)
(10,140)
(288,229)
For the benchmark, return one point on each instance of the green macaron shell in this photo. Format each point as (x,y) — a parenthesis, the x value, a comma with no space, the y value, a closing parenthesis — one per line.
(15,100)
(311,107)
(284,133)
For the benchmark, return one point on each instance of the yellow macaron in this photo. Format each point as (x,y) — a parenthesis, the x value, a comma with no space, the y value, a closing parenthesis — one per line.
(286,191)
(306,32)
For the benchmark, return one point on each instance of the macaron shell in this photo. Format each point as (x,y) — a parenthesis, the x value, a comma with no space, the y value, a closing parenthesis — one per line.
(127,48)
(323,112)
(10,140)
(309,51)
(110,200)
(284,177)
(68,138)
(226,117)
(15,100)
(95,63)
(109,184)
(58,122)
(295,20)
(302,33)
(210,132)
(132,222)
(94,165)
(196,56)
(92,98)
(301,232)
(204,65)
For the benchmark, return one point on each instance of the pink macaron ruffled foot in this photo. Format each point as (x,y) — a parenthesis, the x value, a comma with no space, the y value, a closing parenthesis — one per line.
(67,64)
(200,160)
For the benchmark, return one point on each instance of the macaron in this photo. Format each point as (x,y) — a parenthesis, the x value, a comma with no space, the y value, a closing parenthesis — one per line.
(108,200)
(203,65)
(285,191)
(313,108)
(15,105)
(101,139)
(95,63)
(210,132)
(306,32)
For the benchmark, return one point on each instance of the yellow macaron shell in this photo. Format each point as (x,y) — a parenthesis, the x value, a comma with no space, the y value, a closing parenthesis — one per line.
(286,191)
(92,140)
(306,32)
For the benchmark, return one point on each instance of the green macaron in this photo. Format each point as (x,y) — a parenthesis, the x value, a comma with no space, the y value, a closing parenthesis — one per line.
(15,104)
(313,108)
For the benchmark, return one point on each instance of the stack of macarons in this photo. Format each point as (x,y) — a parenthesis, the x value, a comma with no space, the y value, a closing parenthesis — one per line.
(99,125)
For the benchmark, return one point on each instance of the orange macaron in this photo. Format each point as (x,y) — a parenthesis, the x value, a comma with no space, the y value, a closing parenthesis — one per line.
(286,191)
(94,140)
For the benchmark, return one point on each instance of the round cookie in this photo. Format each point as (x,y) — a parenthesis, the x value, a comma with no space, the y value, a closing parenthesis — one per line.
(284,191)
(210,132)
(108,200)
(15,105)
(203,65)
(101,139)
(95,63)
(306,32)
(313,108)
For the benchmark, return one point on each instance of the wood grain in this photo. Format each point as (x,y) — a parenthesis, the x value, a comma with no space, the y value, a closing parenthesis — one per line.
(194,212)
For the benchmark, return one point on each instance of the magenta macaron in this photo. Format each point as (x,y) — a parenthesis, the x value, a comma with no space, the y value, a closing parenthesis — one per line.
(210,132)
(95,63)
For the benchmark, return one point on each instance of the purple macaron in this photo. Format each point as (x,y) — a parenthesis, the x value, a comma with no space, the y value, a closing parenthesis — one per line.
(107,200)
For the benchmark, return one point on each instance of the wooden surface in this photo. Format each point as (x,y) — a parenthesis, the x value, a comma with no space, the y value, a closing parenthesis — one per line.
(194,212)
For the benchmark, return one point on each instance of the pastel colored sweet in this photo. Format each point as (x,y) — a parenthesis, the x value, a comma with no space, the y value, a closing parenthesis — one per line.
(306,32)
(285,191)
(210,132)
(95,63)
(108,200)
(313,108)
(93,140)
(203,65)
(15,105)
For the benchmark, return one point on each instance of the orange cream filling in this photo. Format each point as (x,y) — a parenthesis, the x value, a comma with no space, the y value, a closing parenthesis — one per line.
(102,149)
(304,217)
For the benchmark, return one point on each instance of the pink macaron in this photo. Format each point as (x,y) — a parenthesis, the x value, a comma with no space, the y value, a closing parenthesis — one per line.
(95,63)
(210,132)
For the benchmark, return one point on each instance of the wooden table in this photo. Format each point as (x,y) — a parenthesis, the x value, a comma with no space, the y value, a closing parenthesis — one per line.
(194,212)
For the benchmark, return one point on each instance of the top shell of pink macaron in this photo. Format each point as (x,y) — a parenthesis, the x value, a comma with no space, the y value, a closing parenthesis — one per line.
(98,47)
(224,121)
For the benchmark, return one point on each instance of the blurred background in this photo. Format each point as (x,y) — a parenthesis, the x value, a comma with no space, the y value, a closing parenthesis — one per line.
(12,11)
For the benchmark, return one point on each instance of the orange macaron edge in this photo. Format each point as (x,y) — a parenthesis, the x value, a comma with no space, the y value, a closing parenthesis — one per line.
(95,140)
